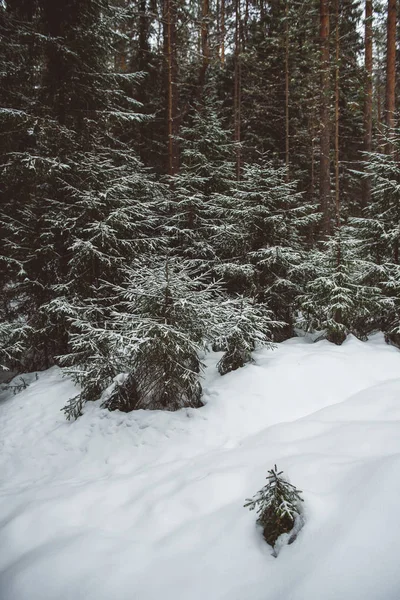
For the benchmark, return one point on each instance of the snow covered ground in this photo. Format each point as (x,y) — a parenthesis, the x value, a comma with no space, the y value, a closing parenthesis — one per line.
(149,505)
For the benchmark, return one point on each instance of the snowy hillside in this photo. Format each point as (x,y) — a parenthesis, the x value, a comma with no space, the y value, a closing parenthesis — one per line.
(149,505)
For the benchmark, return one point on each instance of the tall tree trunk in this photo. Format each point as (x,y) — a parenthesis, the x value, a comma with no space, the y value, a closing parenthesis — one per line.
(366,189)
(237,88)
(245,26)
(143,36)
(391,64)
(325,185)
(120,55)
(287,131)
(337,83)
(169,21)
(222,40)
(205,49)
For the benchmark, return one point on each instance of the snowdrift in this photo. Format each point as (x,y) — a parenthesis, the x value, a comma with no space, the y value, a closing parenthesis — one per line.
(149,505)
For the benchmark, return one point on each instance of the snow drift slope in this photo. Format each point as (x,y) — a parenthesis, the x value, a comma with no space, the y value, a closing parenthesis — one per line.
(150,504)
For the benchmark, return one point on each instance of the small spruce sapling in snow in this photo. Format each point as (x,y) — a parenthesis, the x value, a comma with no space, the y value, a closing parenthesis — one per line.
(278,507)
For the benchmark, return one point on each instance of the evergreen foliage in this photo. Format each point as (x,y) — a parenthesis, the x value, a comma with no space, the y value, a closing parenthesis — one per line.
(337,298)
(378,230)
(77,199)
(207,168)
(268,222)
(163,317)
(278,507)
(85,227)
(248,325)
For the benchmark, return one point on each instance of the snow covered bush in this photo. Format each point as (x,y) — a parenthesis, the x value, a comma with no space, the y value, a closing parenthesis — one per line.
(338,299)
(278,506)
(379,233)
(169,312)
(95,354)
(162,318)
(246,325)
(13,337)
(268,219)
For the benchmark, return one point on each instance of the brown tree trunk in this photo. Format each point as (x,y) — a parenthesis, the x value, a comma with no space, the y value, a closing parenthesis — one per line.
(222,40)
(391,64)
(325,185)
(169,22)
(237,88)
(205,49)
(287,131)
(245,26)
(366,189)
(337,83)
(120,55)
(143,36)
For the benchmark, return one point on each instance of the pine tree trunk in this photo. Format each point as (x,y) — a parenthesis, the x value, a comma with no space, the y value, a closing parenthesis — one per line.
(120,55)
(237,88)
(366,191)
(222,40)
(245,26)
(169,20)
(143,36)
(391,64)
(325,186)
(205,50)
(287,131)
(337,83)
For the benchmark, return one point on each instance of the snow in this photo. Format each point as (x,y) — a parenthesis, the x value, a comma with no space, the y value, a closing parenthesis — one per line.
(147,505)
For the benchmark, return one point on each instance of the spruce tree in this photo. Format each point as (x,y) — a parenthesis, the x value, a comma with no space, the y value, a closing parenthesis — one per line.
(338,297)
(269,219)
(278,506)
(164,315)
(79,201)
(378,231)
(195,223)
(248,325)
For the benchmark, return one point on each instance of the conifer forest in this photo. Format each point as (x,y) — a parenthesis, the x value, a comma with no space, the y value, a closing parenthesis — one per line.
(180,175)
(199,292)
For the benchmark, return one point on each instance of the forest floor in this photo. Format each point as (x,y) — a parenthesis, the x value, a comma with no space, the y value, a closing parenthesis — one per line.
(149,505)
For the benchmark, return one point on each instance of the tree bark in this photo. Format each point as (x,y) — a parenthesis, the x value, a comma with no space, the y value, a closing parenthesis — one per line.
(391,64)
(237,88)
(143,35)
(169,22)
(366,190)
(205,49)
(287,123)
(222,40)
(337,90)
(325,186)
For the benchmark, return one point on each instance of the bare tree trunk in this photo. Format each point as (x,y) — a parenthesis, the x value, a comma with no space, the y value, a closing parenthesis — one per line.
(169,19)
(205,49)
(218,29)
(366,188)
(325,185)
(245,25)
(287,130)
(120,55)
(391,64)
(237,88)
(222,40)
(143,35)
(337,83)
